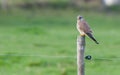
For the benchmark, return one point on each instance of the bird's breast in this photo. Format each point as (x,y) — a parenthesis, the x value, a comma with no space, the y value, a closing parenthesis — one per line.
(79,29)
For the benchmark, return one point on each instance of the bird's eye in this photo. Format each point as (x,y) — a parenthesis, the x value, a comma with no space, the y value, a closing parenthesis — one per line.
(80,17)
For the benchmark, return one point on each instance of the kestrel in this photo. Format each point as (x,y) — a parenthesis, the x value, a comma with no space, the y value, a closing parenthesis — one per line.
(84,28)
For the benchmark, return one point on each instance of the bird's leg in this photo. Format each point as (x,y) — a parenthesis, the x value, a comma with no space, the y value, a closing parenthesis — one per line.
(82,34)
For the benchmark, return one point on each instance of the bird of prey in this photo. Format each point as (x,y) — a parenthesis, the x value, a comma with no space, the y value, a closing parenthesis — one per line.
(84,28)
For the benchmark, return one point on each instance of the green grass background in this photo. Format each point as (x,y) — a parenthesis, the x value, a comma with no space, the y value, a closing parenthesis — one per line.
(54,33)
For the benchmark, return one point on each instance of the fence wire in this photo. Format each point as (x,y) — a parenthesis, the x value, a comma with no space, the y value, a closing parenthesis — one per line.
(36,55)
(62,56)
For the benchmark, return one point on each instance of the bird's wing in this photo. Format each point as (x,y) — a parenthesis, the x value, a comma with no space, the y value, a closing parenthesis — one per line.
(86,27)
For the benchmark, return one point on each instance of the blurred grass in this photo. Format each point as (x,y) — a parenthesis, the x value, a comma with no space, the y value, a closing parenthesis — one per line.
(53,33)
(54,4)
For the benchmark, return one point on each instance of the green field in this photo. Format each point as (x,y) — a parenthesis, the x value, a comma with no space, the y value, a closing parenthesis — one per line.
(44,43)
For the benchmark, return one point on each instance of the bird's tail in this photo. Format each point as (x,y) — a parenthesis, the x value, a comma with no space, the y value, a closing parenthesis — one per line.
(90,35)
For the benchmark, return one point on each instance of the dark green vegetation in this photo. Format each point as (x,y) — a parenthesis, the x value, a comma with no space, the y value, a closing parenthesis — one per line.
(31,43)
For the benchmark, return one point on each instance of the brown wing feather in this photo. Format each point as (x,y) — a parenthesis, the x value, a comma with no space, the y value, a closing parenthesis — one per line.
(86,27)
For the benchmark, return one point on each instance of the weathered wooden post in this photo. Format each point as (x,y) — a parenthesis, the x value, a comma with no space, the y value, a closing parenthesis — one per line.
(80,55)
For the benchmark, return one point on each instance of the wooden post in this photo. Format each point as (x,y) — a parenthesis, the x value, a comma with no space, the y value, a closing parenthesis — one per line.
(80,55)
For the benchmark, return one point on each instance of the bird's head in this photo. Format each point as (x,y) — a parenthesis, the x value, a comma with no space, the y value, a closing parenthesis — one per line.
(79,18)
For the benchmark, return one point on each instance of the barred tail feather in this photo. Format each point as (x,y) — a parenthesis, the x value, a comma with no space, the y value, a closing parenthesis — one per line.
(90,35)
